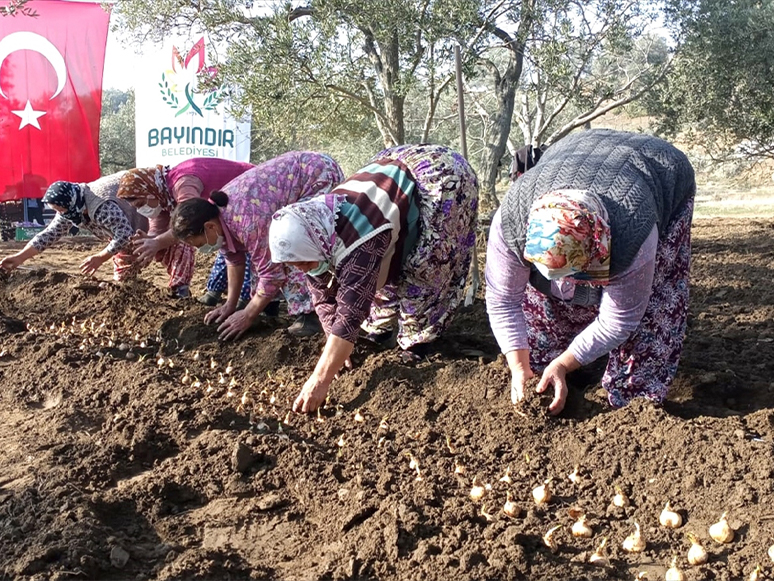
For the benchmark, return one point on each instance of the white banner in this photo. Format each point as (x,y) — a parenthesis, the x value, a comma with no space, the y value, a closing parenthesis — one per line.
(176,120)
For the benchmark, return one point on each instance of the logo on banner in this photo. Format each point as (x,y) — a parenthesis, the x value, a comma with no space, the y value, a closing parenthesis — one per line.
(187,88)
(181,82)
(24,40)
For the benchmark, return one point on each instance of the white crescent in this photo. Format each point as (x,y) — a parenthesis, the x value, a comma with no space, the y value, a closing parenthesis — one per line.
(25,40)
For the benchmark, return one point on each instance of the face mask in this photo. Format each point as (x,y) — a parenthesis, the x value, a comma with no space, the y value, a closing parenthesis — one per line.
(210,248)
(321,269)
(149,212)
(553,273)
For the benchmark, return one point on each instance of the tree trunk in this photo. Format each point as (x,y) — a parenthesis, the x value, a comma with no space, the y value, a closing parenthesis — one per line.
(394,99)
(498,137)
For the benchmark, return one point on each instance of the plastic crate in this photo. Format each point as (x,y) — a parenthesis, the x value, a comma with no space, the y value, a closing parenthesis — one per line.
(24,233)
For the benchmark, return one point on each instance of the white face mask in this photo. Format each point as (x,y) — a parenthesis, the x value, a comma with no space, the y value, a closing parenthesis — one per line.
(208,248)
(149,212)
(553,273)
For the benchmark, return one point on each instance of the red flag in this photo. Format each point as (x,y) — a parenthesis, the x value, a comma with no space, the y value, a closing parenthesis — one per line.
(50,95)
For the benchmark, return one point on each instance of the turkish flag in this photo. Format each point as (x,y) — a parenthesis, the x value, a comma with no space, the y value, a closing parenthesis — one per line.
(50,95)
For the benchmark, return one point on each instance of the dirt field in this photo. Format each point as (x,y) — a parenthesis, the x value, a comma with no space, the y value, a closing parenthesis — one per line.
(116,468)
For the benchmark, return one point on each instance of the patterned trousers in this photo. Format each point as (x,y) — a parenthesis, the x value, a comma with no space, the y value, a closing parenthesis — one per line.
(218,280)
(434,274)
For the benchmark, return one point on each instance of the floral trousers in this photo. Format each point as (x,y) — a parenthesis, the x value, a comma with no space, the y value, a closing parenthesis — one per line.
(434,274)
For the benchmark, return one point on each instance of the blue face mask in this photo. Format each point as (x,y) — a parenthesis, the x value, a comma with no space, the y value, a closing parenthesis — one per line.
(321,269)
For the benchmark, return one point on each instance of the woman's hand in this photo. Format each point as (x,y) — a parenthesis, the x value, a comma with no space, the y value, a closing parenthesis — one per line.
(519,378)
(92,263)
(235,325)
(11,262)
(145,248)
(219,314)
(347,366)
(334,358)
(312,395)
(556,375)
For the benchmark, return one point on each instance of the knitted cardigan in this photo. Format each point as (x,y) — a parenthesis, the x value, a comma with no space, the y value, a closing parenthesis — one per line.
(642,181)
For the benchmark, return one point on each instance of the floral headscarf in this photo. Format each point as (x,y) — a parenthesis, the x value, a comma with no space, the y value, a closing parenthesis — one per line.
(303,232)
(144,182)
(568,234)
(69,196)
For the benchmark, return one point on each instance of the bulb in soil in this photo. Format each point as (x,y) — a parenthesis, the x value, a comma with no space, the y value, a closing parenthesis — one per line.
(507,476)
(209,389)
(221,379)
(574,476)
(232,384)
(272,398)
(549,539)
(186,378)
(771,553)
(229,368)
(161,362)
(213,363)
(143,344)
(383,425)
(509,508)
(721,531)
(669,518)
(413,462)
(620,499)
(757,574)
(449,446)
(136,336)
(697,555)
(286,421)
(634,543)
(674,573)
(598,556)
(581,530)
(485,514)
(459,468)
(196,384)
(542,494)
(320,418)
(341,441)
(477,491)
(196,356)
(358,416)
(170,363)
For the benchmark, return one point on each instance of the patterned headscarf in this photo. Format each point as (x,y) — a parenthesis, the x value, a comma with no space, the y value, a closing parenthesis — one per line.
(69,196)
(303,232)
(142,182)
(569,235)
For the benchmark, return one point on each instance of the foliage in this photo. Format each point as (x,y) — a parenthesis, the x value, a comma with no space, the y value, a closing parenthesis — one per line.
(326,67)
(721,93)
(116,139)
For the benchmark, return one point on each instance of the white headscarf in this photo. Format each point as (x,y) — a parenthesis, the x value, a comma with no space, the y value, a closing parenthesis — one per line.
(302,232)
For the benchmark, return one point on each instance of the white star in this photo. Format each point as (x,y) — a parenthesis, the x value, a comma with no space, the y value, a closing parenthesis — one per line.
(29,116)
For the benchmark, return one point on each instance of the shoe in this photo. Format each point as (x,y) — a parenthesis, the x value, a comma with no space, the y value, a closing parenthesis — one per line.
(272,309)
(210,298)
(306,325)
(181,292)
(382,339)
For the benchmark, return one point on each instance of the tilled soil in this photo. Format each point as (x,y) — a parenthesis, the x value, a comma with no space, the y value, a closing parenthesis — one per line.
(115,466)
